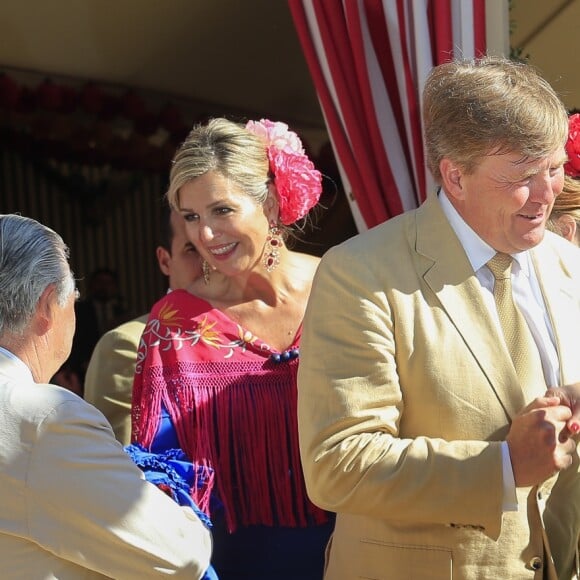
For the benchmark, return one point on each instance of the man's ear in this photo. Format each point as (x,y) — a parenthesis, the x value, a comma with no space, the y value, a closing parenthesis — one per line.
(567,225)
(271,206)
(452,178)
(44,316)
(163,258)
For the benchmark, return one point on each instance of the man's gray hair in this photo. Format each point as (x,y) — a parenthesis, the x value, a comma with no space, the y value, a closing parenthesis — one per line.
(32,257)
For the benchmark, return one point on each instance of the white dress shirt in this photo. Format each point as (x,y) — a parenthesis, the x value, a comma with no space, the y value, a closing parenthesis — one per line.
(24,373)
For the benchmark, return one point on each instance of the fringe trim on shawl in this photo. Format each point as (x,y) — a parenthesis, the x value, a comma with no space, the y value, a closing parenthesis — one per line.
(252,406)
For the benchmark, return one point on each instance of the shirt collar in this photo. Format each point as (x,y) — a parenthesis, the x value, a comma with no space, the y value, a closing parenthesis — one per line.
(478,252)
(16,363)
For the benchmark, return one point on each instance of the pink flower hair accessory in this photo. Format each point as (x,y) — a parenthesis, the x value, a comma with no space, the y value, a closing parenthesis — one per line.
(298,183)
(572,166)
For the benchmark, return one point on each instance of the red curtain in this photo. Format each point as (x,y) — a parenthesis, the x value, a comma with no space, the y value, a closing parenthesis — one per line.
(369,60)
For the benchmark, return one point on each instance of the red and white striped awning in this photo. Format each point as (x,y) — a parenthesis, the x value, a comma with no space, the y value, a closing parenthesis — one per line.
(369,60)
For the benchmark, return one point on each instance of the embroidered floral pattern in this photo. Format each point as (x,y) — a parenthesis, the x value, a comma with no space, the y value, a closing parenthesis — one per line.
(167,332)
(246,339)
(168,315)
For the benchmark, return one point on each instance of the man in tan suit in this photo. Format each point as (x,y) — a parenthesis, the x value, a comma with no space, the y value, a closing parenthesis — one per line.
(440,459)
(72,504)
(109,378)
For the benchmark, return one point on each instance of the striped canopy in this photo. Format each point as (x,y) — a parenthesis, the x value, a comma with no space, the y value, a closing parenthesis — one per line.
(369,60)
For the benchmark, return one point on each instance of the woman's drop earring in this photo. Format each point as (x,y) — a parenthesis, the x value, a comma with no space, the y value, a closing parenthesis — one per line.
(206,271)
(274,242)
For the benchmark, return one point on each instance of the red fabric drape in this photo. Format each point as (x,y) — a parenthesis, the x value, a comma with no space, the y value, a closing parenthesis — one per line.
(368,60)
(479,27)
(441,30)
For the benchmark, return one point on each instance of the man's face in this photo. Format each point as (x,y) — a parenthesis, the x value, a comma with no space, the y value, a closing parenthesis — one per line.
(62,328)
(507,200)
(183,265)
(69,322)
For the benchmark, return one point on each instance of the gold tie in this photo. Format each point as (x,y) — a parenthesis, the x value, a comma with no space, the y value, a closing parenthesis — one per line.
(521,345)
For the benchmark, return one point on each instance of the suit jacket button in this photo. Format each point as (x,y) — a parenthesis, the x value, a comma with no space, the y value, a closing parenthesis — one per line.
(535,563)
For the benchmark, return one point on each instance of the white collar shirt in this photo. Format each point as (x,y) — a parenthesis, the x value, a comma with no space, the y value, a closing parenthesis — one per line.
(525,288)
(527,295)
(23,372)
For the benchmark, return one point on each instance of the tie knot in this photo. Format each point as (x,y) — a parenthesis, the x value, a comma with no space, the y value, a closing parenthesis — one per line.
(500,266)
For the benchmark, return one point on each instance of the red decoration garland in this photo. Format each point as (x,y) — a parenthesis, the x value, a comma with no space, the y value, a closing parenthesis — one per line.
(90,124)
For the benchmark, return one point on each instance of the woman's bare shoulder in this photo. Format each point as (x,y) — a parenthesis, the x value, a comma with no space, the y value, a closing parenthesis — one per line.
(303,268)
(305,263)
(307,260)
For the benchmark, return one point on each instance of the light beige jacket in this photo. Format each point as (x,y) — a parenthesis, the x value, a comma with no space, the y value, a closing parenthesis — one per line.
(109,377)
(72,504)
(406,389)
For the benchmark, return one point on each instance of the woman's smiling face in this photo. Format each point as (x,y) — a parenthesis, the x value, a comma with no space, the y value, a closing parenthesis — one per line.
(225,224)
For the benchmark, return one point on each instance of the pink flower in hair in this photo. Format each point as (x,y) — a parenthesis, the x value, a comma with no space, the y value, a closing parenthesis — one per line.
(276,135)
(298,183)
(572,166)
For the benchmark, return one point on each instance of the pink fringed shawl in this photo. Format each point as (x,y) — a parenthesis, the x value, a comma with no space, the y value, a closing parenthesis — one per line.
(233,408)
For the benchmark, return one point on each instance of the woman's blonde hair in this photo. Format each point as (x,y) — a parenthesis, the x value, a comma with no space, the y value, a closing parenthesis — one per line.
(566,204)
(225,147)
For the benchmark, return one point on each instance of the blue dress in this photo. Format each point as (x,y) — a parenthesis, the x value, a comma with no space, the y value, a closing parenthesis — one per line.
(173,474)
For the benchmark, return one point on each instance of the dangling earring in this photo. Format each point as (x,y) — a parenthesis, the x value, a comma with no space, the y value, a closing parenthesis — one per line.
(274,242)
(206,271)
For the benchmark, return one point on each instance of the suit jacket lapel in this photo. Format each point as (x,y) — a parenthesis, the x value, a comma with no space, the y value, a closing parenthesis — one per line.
(448,273)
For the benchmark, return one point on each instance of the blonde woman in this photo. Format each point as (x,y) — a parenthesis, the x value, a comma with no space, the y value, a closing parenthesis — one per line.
(216,372)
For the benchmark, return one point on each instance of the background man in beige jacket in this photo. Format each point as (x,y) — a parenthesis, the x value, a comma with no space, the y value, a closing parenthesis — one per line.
(109,378)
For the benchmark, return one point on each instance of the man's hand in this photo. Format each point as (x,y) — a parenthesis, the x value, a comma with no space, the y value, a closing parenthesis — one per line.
(539,441)
(569,395)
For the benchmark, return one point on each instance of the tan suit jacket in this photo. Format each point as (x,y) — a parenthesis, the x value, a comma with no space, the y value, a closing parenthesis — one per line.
(109,378)
(72,504)
(406,389)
